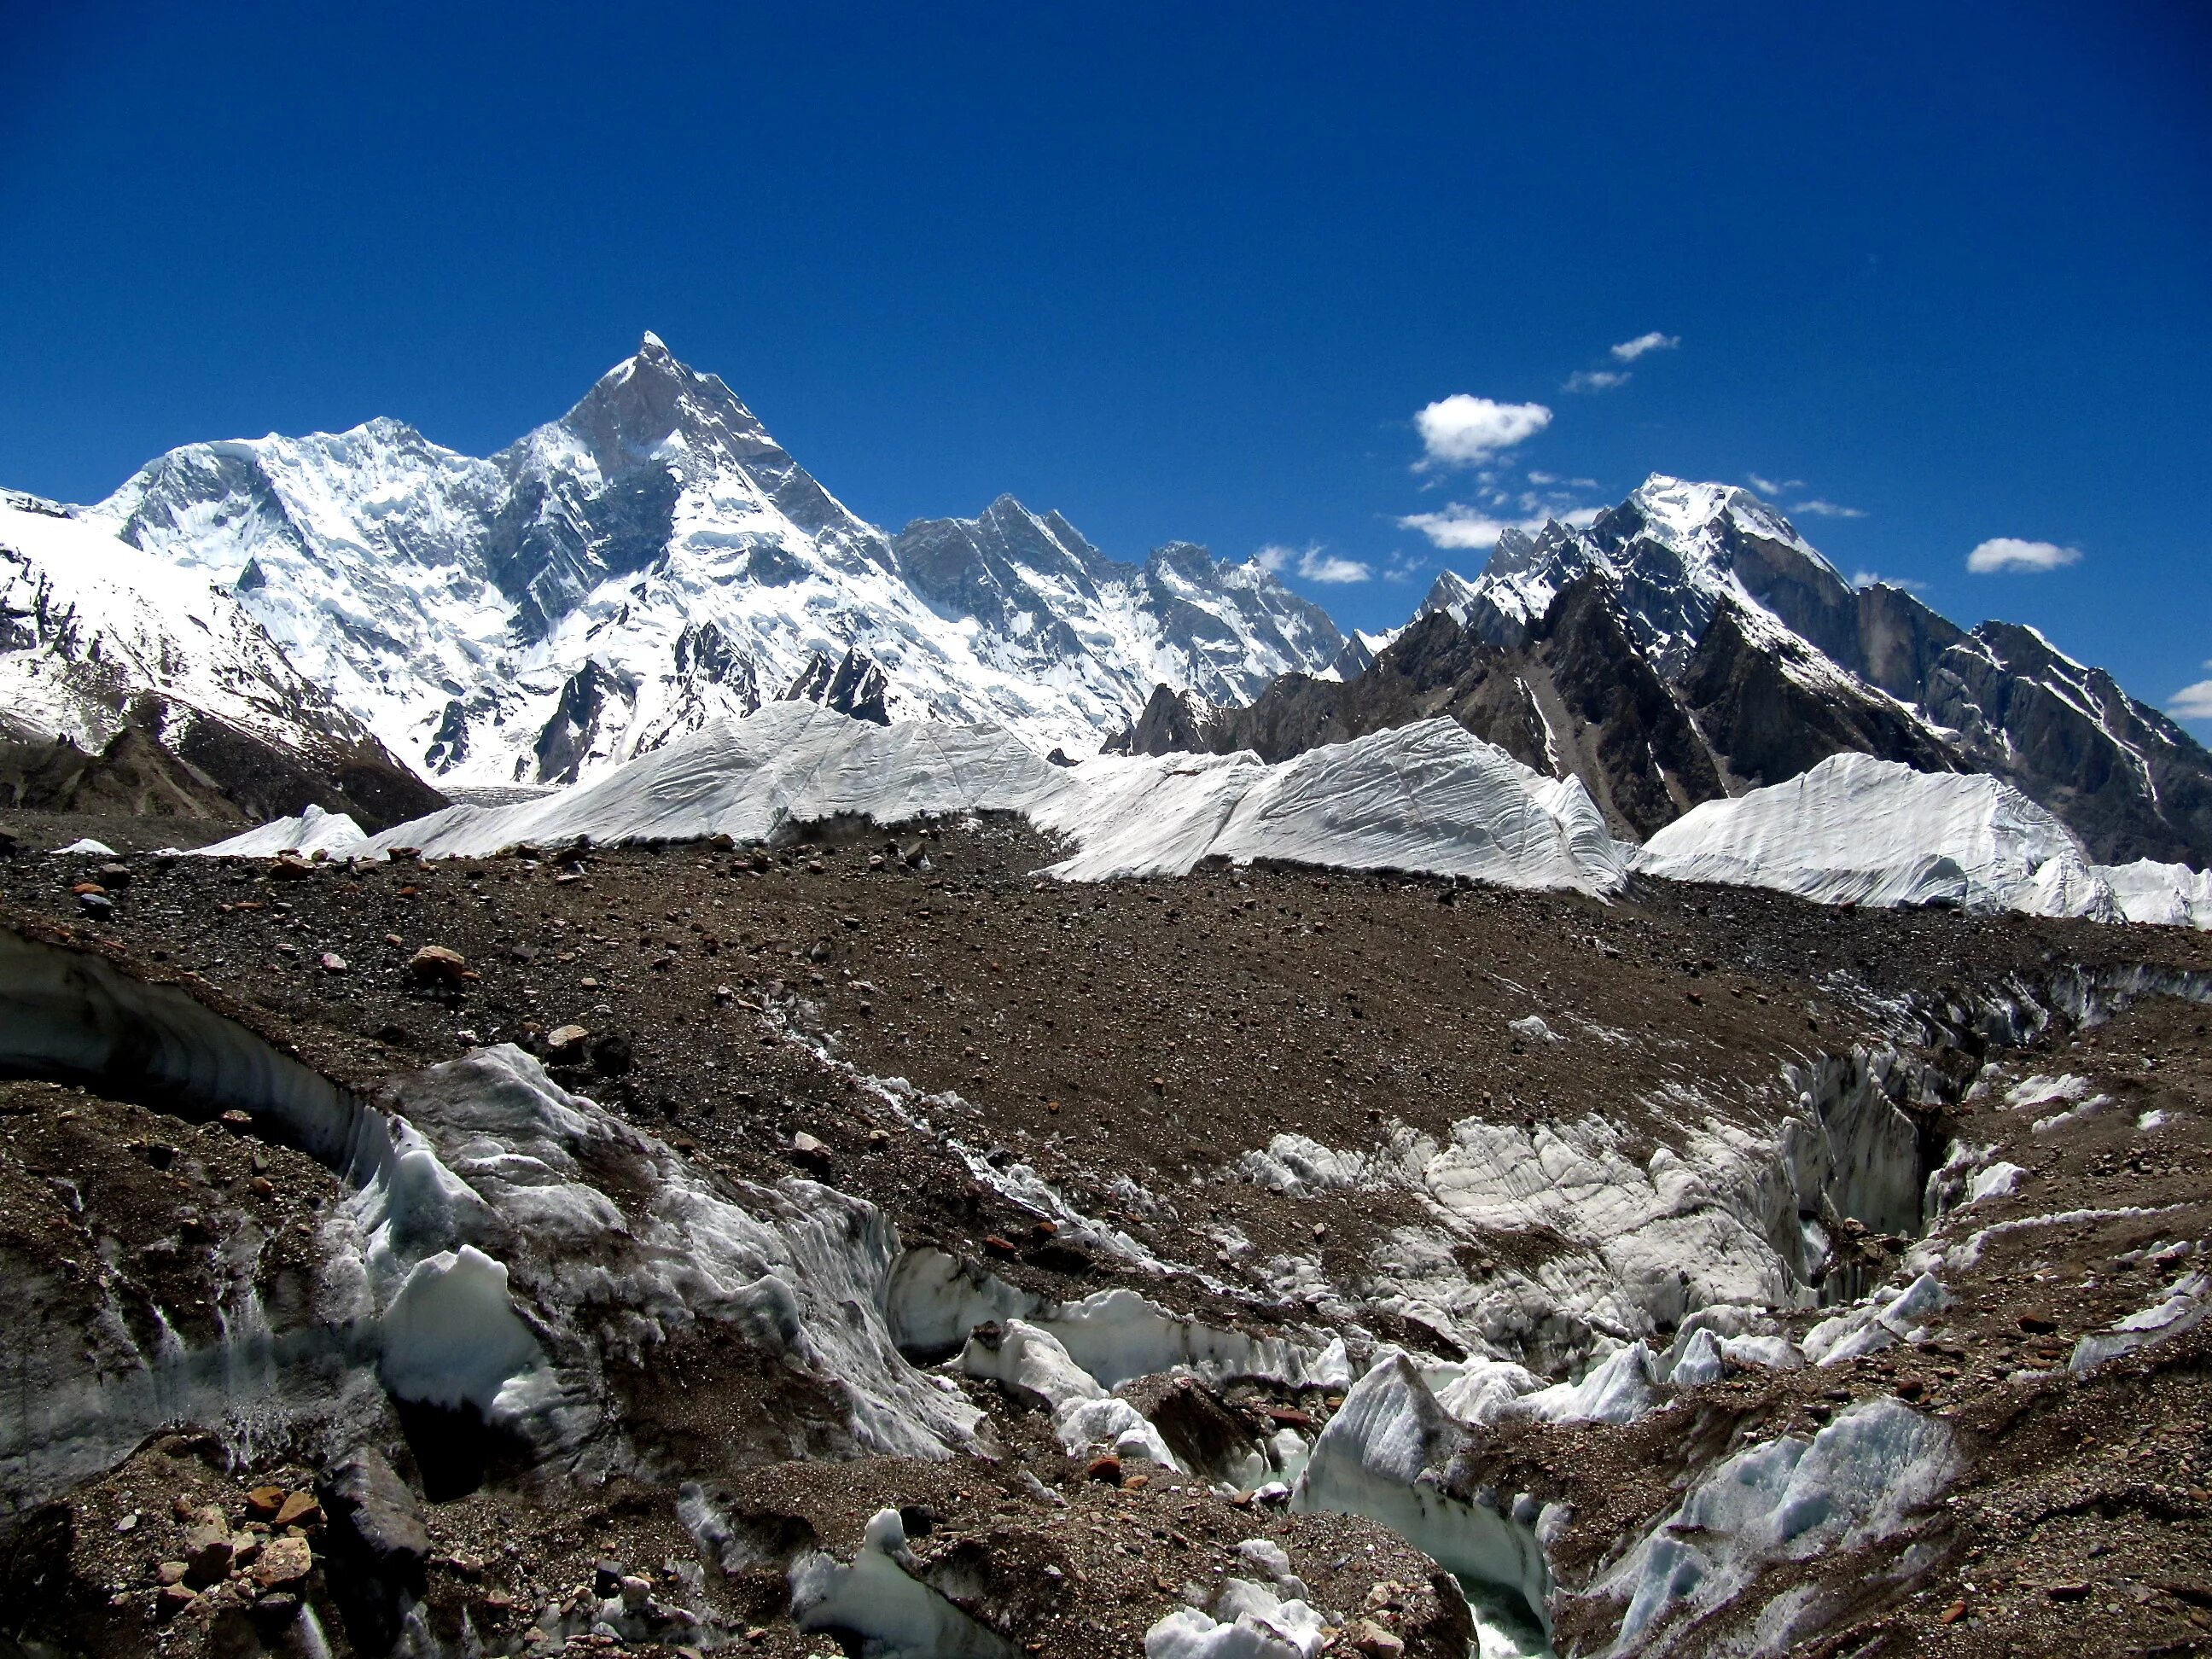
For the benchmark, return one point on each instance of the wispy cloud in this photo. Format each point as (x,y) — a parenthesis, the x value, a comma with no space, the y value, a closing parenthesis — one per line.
(1821,509)
(1870,578)
(1462,526)
(2192,702)
(1596,380)
(1629,350)
(1771,487)
(1464,430)
(1315,563)
(2012,553)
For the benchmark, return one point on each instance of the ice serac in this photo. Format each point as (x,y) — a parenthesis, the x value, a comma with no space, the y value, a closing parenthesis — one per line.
(1428,797)
(653,560)
(130,685)
(1859,830)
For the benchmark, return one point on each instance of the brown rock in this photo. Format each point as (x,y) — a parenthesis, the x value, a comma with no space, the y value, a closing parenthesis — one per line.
(170,1572)
(2037,1324)
(207,1553)
(264,1501)
(284,1563)
(172,1599)
(1952,1614)
(299,1509)
(2074,1589)
(1370,1639)
(332,962)
(436,965)
(1106,1470)
(565,1041)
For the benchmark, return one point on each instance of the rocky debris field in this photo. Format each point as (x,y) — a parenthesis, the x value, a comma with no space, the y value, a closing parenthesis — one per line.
(1652,1156)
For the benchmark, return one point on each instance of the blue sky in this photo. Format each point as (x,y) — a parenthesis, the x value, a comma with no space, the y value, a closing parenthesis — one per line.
(1183,273)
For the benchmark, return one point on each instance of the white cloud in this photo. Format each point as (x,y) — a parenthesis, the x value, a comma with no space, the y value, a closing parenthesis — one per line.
(1629,350)
(1543,477)
(1463,430)
(1315,564)
(2011,553)
(1868,578)
(1596,380)
(2192,702)
(1821,509)
(1773,486)
(1459,526)
(1318,567)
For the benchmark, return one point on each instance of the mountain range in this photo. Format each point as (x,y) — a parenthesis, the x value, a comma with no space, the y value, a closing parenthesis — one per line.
(1690,643)
(654,558)
(400,619)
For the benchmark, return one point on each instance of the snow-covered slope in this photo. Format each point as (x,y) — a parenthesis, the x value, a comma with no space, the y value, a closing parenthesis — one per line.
(89,622)
(97,637)
(1859,830)
(1426,797)
(652,561)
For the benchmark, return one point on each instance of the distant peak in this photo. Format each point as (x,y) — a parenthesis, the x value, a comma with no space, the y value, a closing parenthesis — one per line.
(651,345)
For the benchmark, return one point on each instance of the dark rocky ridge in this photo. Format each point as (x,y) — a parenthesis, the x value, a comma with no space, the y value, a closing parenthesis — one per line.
(1574,694)
(1660,691)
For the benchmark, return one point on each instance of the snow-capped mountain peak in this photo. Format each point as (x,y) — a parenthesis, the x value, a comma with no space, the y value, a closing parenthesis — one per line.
(1779,661)
(653,558)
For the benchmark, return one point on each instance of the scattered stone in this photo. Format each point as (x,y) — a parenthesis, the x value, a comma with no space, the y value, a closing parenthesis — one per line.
(2037,1324)
(2074,1589)
(606,1579)
(1370,1639)
(1105,1470)
(172,1599)
(299,1509)
(1952,1614)
(207,1553)
(284,1563)
(566,1041)
(171,1572)
(332,962)
(809,1153)
(435,965)
(635,1591)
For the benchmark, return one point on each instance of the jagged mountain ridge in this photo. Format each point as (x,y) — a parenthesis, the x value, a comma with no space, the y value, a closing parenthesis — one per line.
(1690,643)
(654,559)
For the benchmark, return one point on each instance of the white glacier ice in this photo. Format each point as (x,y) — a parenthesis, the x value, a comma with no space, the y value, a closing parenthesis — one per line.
(1428,797)
(1859,1477)
(314,831)
(1860,830)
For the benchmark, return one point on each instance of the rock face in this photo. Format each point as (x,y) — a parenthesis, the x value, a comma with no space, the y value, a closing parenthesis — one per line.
(127,685)
(653,559)
(1690,643)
